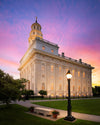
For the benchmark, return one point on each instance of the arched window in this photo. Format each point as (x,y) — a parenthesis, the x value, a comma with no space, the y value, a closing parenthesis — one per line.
(28,85)
(84,89)
(78,73)
(60,78)
(52,77)
(73,87)
(52,95)
(43,75)
(79,81)
(52,86)
(59,69)
(43,86)
(60,86)
(52,68)
(88,89)
(73,72)
(43,47)
(73,94)
(43,66)
(60,95)
(66,70)
(52,50)
(79,88)
(83,74)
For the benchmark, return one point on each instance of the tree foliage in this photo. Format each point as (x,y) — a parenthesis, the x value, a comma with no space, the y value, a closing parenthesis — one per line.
(42,92)
(96,91)
(27,94)
(10,89)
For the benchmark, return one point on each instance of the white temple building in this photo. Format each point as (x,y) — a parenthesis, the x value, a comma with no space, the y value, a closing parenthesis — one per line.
(46,69)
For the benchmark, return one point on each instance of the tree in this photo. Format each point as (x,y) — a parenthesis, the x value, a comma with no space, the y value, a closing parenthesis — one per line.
(10,89)
(96,91)
(42,92)
(27,94)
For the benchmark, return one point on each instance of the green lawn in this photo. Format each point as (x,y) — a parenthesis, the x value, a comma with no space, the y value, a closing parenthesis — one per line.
(45,98)
(15,115)
(88,106)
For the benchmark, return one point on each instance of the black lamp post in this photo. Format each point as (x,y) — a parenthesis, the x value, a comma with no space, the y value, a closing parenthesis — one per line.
(69,117)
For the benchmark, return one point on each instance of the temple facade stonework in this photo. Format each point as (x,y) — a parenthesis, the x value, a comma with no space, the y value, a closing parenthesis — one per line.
(46,69)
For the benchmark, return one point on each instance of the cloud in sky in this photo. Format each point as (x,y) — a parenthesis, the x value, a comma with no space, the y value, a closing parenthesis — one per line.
(73,25)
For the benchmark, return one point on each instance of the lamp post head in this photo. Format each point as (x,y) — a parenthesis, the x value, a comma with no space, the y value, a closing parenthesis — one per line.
(68,75)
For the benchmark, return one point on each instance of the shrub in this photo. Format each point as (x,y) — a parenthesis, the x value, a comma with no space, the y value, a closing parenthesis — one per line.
(31,109)
(55,112)
(27,94)
(42,92)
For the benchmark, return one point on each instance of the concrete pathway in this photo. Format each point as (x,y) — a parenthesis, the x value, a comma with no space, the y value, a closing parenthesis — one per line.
(63,113)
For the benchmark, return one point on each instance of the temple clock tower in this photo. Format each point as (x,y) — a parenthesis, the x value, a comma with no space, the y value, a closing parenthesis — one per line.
(35,32)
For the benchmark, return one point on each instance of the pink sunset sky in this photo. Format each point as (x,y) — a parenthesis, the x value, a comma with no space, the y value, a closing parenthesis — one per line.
(72,24)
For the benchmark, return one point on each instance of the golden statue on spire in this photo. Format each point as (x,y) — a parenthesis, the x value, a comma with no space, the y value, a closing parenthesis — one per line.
(36,19)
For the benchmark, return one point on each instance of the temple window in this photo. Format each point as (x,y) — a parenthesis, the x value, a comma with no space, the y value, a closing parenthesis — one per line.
(43,86)
(52,68)
(73,72)
(78,73)
(60,95)
(52,86)
(79,88)
(43,47)
(83,74)
(59,69)
(73,87)
(52,95)
(84,88)
(66,70)
(43,66)
(43,75)
(52,77)
(28,85)
(79,81)
(73,94)
(52,50)
(60,87)
(60,78)
(88,88)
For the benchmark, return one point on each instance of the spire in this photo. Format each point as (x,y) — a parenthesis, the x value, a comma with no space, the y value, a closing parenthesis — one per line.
(36,20)
(35,31)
